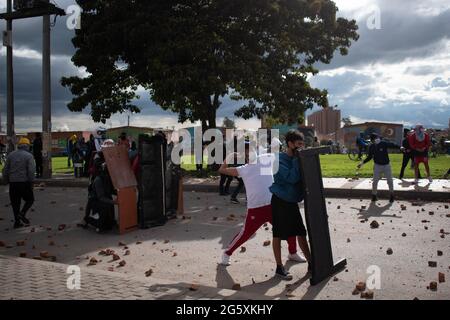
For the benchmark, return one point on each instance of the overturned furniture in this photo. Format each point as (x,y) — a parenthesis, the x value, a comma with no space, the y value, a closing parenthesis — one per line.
(125,183)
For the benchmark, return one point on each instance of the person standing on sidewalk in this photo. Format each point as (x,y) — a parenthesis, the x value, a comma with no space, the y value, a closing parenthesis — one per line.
(286,194)
(37,153)
(19,172)
(257,177)
(225,181)
(378,151)
(420,143)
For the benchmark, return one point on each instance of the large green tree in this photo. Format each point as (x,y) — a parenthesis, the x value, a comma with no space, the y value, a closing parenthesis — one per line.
(190,54)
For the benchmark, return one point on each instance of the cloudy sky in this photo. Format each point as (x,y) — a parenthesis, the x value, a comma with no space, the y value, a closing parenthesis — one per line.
(398,71)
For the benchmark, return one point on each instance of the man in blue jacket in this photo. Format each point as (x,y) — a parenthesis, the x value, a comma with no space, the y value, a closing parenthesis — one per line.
(286,194)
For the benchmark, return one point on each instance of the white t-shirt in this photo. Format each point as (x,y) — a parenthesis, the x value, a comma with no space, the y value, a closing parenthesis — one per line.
(258,178)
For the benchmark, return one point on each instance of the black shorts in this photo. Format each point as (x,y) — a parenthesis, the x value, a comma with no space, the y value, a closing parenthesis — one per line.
(286,219)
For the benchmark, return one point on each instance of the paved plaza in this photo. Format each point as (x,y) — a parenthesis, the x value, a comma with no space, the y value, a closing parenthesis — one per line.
(183,254)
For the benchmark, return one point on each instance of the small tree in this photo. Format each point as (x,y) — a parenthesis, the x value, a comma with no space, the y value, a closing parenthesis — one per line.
(347,122)
(228,123)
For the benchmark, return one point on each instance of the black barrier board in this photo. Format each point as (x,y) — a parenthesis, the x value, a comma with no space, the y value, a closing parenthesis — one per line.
(316,216)
(173,174)
(151,181)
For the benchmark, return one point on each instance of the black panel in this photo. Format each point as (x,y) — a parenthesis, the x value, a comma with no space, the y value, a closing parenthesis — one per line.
(151,181)
(316,216)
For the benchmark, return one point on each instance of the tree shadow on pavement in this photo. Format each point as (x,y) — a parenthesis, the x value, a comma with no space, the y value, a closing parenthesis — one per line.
(225,280)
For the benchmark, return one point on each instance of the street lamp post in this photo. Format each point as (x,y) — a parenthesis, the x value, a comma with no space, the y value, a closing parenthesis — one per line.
(46,100)
(9,83)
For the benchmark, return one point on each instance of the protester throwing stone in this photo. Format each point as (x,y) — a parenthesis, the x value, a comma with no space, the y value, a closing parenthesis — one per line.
(378,151)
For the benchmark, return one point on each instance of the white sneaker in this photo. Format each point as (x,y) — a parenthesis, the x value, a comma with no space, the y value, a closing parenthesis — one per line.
(297,258)
(225,260)
(430,179)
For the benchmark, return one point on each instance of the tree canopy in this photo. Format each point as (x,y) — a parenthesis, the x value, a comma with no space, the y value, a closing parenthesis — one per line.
(190,54)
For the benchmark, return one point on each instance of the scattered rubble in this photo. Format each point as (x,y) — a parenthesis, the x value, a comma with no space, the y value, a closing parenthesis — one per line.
(194,287)
(92,262)
(432,264)
(266,243)
(433,286)
(361,286)
(374,224)
(389,251)
(441,277)
(122,263)
(243,249)
(149,273)
(367,295)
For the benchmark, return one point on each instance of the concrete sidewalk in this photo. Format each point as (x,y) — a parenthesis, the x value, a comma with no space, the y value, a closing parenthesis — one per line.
(27,279)
(438,190)
(186,250)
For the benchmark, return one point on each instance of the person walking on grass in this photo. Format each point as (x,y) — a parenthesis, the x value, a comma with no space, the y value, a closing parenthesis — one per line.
(257,177)
(286,194)
(19,172)
(378,151)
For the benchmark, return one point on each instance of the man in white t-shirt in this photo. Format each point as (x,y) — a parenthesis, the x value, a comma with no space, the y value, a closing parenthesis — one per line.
(257,175)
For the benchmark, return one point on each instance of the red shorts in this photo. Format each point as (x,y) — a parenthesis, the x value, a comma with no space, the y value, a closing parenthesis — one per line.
(418,160)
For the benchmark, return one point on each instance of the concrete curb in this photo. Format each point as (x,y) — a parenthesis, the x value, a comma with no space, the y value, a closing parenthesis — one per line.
(329,192)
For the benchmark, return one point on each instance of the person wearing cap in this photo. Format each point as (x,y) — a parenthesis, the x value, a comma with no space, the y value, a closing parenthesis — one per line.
(101,137)
(378,151)
(420,144)
(19,172)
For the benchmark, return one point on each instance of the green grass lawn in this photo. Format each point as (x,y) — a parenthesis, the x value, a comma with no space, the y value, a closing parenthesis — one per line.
(335,165)
(340,166)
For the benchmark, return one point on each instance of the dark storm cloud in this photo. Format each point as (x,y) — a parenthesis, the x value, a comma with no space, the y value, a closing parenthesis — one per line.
(404,34)
(28,33)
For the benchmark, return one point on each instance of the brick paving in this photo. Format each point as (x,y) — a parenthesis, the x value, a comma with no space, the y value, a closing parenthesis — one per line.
(28,279)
